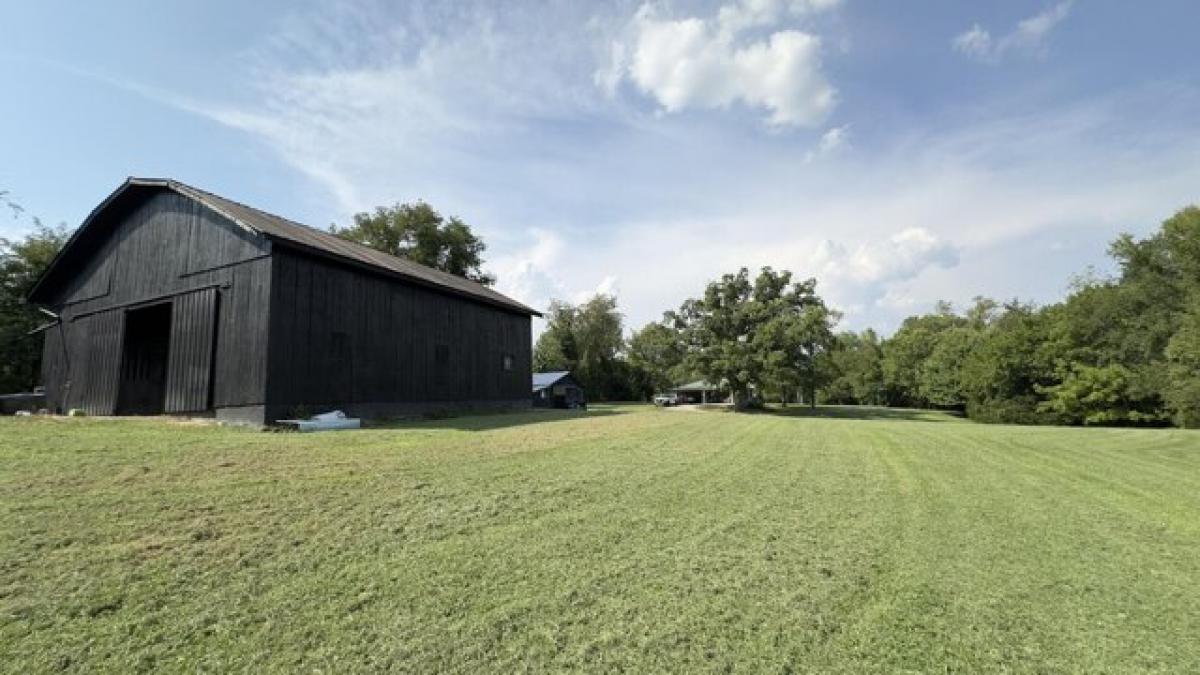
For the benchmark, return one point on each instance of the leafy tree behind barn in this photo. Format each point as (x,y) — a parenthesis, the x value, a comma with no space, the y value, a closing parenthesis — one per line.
(656,355)
(421,234)
(21,263)
(588,340)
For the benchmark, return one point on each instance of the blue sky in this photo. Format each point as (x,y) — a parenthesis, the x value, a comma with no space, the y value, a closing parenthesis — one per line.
(900,152)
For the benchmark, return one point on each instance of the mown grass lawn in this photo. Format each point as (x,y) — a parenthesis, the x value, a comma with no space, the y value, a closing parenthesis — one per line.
(627,539)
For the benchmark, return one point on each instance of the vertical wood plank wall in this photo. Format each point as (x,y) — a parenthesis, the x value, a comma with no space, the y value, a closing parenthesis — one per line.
(100,340)
(189,368)
(343,336)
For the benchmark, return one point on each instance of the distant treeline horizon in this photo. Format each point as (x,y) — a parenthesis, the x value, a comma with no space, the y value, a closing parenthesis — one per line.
(1119,349)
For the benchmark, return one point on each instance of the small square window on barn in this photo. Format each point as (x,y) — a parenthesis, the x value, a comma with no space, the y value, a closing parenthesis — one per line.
(506,362)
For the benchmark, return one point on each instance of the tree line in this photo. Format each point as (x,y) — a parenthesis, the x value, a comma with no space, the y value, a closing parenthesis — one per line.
(1118,350)
(763,337)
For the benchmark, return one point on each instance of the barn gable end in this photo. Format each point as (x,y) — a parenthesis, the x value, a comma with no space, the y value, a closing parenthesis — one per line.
(148,246)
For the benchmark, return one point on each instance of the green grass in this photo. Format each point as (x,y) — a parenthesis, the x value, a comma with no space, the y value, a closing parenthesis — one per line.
(628,539)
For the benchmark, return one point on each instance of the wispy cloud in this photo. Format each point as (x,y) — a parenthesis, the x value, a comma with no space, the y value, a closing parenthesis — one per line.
(1030,36)
(831,141)
(367,99)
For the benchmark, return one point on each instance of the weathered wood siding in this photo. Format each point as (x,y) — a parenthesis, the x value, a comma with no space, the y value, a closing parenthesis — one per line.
(189,370)
(100,347)
(345,337)
(156,244)
(55,368)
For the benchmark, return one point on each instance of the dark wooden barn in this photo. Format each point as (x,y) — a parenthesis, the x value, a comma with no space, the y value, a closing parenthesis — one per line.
(557,389)
(174,300)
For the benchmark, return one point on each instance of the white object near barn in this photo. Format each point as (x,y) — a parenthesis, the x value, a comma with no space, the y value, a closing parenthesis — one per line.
(329,421)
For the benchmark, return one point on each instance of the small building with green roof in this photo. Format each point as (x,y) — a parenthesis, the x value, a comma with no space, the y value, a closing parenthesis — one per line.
(699,391)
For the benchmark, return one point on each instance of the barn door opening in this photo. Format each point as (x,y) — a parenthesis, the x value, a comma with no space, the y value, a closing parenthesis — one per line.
(144,356)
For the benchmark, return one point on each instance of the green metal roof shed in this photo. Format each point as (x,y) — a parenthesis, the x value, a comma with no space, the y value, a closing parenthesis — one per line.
(699,391)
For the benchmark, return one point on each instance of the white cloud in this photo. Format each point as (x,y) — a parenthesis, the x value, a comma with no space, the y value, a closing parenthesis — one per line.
(831,141)
(609,285)
(706,62)
(865,276)
(528,273)
(901,256)
(533,273)
(1032,32)
(975,41)
(746,14)
(1030,36)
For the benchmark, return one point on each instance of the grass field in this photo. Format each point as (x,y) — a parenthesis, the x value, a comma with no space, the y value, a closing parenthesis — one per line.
(627,539)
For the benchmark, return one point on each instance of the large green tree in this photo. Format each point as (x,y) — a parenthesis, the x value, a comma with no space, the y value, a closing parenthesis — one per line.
(556,347)
(939,377)
(755,336)
(1011,359)
(21,263)
(940,380)
(421,234)
(656,354)
(905,354)
(1121,343)
(796,340)
(1094,395)
(856,361)
(718,330)
(1182,389)
(587,340)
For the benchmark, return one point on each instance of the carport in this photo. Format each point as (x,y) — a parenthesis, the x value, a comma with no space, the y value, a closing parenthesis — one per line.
(698,392)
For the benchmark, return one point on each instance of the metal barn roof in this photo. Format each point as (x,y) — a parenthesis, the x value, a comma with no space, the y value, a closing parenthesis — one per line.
(698,385)
(313,240)
(543,380)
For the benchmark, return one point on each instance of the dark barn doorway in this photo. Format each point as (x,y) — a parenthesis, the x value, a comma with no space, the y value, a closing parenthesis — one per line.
(143,387)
